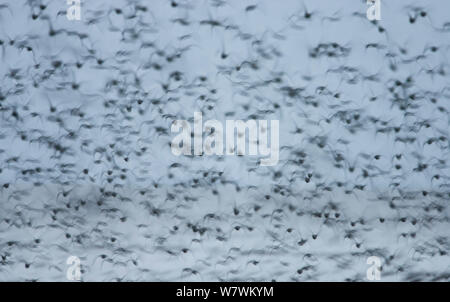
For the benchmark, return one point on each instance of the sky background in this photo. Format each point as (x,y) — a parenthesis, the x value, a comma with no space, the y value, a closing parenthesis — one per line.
(106,89)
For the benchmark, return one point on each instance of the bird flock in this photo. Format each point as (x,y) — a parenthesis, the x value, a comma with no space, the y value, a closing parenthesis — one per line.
(86,168)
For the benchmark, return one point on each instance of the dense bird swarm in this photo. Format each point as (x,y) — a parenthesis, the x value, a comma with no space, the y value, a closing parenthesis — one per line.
(86,166)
